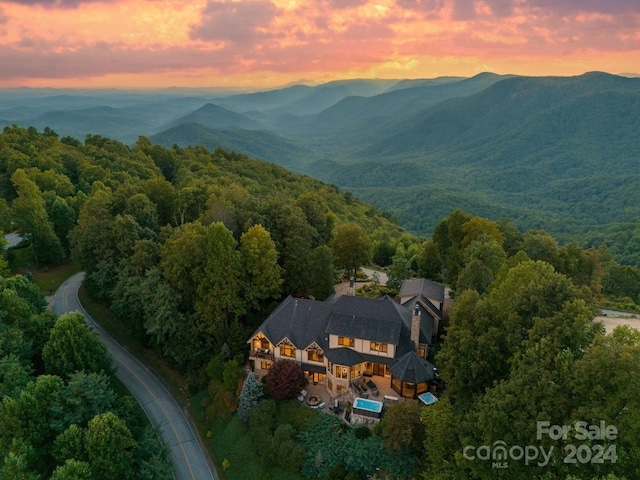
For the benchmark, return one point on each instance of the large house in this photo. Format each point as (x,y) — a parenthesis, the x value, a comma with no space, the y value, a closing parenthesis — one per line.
(346,338)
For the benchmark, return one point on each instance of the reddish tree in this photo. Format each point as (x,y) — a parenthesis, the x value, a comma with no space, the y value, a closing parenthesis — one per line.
(286,379)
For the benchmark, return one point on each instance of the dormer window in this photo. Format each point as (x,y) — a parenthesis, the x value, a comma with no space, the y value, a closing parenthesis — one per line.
(315,355)
(260,342)
(346,341)
(378,347)
(287,351)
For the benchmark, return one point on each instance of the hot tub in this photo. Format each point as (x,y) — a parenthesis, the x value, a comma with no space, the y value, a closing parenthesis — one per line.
(367,408)
(427,398)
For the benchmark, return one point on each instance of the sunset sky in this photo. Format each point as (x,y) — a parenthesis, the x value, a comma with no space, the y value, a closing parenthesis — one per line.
(267,43)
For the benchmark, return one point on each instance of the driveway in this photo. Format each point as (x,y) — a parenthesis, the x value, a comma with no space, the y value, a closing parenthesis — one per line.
(382,276)
(186,455)
(611,319)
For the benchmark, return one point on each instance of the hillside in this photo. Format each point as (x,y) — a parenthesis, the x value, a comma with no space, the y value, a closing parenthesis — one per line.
(215,116)
(558,153)
(555,153)
(256,144)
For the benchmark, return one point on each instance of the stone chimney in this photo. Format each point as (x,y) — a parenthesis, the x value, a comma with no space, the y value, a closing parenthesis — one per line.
(415,327)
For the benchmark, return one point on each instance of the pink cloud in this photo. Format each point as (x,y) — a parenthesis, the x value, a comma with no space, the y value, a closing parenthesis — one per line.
(239,23)
(333,37)
(592,6)
(64,4)
(339,4)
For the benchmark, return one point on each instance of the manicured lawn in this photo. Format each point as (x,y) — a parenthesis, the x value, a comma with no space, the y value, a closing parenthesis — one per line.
(49,280)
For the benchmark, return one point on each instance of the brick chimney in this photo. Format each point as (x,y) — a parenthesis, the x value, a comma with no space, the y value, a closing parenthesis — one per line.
(415,327)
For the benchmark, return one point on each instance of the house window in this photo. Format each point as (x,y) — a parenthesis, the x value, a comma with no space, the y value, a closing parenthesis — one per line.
(260,342)
(378,347)
(265,365)
(315,356)
(341,372)
(287,351)
(422,352)
(356,370)
(346,341)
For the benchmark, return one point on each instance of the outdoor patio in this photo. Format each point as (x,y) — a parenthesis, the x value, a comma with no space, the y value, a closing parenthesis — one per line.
(319,392)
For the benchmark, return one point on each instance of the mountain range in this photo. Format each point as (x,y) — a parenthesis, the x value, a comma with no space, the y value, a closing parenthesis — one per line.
(557,153)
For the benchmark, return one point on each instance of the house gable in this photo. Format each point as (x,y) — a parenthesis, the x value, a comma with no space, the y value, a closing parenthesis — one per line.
(422,286)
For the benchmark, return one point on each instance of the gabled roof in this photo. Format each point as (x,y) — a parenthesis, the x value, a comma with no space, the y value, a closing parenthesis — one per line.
(301,321)
(411,368)
(304,322)
(427,320)
(344,356)
(422,286)
(374,319)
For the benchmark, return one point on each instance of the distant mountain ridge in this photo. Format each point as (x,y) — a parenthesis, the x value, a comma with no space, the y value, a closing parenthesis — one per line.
(559,153)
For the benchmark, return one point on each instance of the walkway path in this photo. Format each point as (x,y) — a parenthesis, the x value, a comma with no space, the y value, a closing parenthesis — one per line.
(186,455)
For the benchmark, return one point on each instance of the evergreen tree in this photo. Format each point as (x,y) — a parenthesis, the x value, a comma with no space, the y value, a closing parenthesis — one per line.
(249,397)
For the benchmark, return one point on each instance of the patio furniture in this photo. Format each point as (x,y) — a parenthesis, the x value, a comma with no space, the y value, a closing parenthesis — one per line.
(359,391)
(373,387)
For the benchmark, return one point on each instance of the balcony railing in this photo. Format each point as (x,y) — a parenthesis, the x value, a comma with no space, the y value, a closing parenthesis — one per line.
(263,353)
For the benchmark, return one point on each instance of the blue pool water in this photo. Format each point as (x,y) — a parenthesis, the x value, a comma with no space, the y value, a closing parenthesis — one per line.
(366,404)
(427,398)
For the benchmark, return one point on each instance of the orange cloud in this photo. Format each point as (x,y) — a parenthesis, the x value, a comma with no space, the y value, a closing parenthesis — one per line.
(269,42)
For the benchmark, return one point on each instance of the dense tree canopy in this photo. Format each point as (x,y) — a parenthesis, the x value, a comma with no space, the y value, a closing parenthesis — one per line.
(60,416)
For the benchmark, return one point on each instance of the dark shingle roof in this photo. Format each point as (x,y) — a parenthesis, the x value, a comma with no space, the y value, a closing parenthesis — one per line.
(301,321)
(381,320)
(411,368)
(427,320)
(344,356)
(375,319)
(422,286)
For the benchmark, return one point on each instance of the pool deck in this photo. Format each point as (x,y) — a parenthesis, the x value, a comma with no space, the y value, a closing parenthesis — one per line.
(383,385)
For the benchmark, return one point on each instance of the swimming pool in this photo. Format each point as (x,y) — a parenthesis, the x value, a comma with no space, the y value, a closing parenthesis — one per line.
(367,408)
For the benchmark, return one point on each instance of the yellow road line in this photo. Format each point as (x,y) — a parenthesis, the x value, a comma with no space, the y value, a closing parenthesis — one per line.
(169,421)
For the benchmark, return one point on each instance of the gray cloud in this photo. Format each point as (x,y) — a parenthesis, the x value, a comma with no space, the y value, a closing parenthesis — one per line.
(587,6)
(426,6)
(234,22)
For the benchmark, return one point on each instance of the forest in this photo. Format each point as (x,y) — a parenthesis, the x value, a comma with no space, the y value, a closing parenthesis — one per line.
(192,248)
(63,414)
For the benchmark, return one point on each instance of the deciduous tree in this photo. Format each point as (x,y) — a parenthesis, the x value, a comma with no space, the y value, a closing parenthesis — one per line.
(72,346)
(109,445)
(351,247)
(286,379)
(32,221)
(261,272)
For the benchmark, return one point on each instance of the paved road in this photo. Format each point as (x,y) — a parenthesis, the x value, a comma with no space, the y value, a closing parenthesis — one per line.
(13,239)
(186,454)
(381,275)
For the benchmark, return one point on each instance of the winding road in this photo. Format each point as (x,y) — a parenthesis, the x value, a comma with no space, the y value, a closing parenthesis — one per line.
(186,455)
